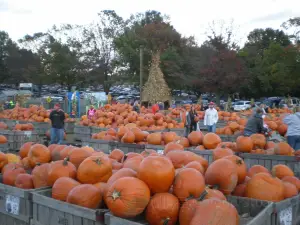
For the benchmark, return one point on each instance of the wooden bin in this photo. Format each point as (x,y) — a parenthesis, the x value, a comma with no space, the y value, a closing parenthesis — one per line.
(69,127)
(103,145)
(4,147)
(15,205)
(82,133)
(48,211)
(130,147)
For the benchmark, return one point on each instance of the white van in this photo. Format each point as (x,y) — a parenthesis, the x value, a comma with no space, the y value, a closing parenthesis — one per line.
(242,105)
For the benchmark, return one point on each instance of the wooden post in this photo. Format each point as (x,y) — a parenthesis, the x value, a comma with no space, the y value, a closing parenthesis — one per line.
(141,72)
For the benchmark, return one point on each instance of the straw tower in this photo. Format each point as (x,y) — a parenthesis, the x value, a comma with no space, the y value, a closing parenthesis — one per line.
(156,88)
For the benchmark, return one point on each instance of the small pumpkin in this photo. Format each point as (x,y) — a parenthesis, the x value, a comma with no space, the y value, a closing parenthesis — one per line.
(211,140)
(195,138)
(38,154)
(241,167)
(62,187)
(24,181)
(281,171)
(117,154)
(40,175)
(24,150)
(10,176)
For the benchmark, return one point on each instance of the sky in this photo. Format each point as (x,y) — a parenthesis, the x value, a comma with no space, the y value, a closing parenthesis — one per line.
(189,17)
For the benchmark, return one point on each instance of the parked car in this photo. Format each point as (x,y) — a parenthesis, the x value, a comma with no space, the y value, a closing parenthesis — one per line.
(242,105)
(294,102)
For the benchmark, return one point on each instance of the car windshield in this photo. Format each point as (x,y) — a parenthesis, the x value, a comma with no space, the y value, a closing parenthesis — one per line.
(239,103)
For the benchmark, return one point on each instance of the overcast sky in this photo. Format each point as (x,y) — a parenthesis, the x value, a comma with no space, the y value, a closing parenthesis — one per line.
(190,17)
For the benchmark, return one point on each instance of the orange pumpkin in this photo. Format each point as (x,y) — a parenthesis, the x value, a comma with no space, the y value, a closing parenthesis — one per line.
(259,141)
(133,163)
(241,167)
(281,171)
(38,154)
(257,169)
(157,172)
(195,138)
(290,190)
(127,197)
(77,155)
(3,160)
(163,208)
(85,195)
(10,176)
(171,146)
(61,168)
(222,152)
(244,144)
(222,173)
(3,139)
(94,169)
(24,150)
(24,181)
(40,175)
(62,187)
(117,154)
(154,139)
(195,165)
(283,148)
(211,140)
(187,211)
(293,180)
(128,137)
(213,193)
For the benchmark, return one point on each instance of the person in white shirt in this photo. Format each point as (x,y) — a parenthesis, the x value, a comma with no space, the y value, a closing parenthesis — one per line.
(211,118)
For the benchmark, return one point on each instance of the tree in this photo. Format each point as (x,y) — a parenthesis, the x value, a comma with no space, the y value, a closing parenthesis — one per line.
(293,23)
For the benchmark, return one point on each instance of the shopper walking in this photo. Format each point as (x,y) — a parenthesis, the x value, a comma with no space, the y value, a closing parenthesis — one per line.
(293,131)
(211,118)
(57,117)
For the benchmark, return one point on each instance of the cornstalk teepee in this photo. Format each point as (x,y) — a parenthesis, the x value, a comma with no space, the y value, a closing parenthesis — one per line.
(156,88)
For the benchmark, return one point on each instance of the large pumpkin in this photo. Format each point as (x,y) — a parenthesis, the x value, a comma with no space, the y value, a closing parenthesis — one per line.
(40,175)
(281,171)
(38,154)
(223,174)
(171,146)
(241,167)
(187,211)
(61,168)
(127,197)
(163,208)
(221,152)
(195,138)
(169,137)
(214,212)
(259,141)
(77,155)
(94,169)
(262,186)
(62,187)
(188,183)
(157,172)
(24,150)
(154,138)
(211,140)
(283,148)
(85,195)
(24,181)
(244,144)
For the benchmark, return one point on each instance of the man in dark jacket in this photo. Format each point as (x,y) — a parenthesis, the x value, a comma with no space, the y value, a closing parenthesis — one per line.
(57,117)
(255,124)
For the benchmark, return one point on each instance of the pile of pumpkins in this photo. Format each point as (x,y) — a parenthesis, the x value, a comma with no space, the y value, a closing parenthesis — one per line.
(119,115)
(175,186)
(32,114)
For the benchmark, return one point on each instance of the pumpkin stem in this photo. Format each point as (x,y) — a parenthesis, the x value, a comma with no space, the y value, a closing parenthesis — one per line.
(202,196)
(239,161)
(65,162)
(37,163)
(166,221)
(98,161)
(115,195)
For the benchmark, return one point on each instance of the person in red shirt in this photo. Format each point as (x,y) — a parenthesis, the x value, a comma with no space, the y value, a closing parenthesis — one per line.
(155,108)
(91,112)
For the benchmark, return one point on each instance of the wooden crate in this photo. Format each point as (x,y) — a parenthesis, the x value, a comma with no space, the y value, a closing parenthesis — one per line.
(15,205)
(130,147)
(69,127)
(4,147)
(48,211)
(82,133)
(103,145)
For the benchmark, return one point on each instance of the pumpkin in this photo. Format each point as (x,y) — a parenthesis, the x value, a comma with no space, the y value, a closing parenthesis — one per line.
(257,169)
(101,186)
(222,173)
(290,190)
(148,152)
(184,142)
(65,152)
(52,147)
(3,160)
(24,150)
(128,137)
(244,144)
(133,163)
(94,169)
(89,149)
(259,141)
(38,154)
(62,187)
(11,166)
(222,152)
(40,175)
(172,146)
(124,172)
(163,208)
(188,183)
(213,193)
(3,139)
(157,172)
(24,181)
(283,148)
(195,165)
(55,153)
(195,138)
(241,167)
(281,171)
(213,211)
(187,211)
(240,190)
(182,158)
(12,158)
(61,168)
(211,140)
(117,154)
(85,195)
(10,176)
(169,137)
(154,139)
(26,164)
(262,186)
(127,197)
(293,180)
(77,155)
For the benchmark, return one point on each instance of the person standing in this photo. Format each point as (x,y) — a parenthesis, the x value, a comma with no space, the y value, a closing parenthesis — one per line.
(193,116)
(155,108)
(136,107)
(255,124)
(211,118)
(293,131)
(91,112)
(57,117)
(186,120)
